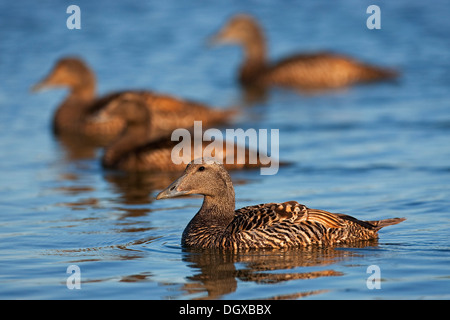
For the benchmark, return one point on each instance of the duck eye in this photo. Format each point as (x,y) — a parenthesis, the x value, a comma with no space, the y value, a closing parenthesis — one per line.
(201,168)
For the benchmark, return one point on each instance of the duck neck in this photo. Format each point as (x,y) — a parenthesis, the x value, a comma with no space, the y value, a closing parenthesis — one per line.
(254,57)
(134,137)
(209,224)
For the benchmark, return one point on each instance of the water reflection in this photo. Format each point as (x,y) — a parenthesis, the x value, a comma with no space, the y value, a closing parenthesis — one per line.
(136,188)
(130,235)
(217,272)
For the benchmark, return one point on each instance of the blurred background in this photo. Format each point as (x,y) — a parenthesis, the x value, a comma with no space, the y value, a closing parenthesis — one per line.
(372,151)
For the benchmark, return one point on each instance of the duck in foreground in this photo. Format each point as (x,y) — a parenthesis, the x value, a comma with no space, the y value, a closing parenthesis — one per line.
(309,71)
(269,225)
(79,112)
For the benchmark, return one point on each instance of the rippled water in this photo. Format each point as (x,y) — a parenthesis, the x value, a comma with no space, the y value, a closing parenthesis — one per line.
(373,151)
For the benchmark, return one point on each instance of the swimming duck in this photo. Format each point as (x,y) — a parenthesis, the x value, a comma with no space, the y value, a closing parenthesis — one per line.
(134,151)
(309,71)
(268,225)
(80,111)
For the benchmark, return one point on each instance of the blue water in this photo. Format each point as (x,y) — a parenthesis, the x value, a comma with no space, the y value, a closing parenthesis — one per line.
(374,151)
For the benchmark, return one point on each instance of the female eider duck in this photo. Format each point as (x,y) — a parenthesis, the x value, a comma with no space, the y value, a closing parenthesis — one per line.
(135,151)
(313,71)
(80,111)
(269,225)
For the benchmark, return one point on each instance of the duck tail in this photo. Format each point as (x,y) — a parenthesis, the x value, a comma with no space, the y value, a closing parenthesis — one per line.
(372,73)
(386,222)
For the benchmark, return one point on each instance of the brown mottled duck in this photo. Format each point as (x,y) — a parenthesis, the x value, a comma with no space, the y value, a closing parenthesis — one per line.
(309,71)
(268,225)
(134,151)
(81,107)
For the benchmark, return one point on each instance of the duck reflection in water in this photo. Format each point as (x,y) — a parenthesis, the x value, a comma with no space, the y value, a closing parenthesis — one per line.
(218,272)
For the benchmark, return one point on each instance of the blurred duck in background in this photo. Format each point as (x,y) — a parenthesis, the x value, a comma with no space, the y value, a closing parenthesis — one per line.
(85,114)
(306,72)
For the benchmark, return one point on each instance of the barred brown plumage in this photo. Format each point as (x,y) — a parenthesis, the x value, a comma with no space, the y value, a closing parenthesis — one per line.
(269,225)
(307,71)
(84,113)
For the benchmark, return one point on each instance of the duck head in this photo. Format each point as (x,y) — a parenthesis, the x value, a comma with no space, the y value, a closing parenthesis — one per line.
(205,176)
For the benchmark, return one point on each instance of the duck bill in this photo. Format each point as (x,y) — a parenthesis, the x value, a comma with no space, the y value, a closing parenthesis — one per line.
(173,190)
